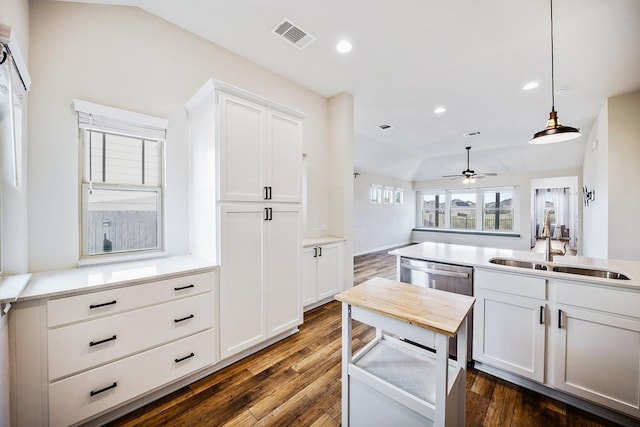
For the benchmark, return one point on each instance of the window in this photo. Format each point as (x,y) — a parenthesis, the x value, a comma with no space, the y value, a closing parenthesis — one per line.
(399,196)
(376,193)
(432,210)
(497,210)
(388,195)
(461,209)
(121,185)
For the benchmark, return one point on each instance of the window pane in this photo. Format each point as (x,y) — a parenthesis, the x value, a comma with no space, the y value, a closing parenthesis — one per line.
(388,195)
(399,196)
(463,210)
(433,207)
(376,194)
(497,210)
(122,220)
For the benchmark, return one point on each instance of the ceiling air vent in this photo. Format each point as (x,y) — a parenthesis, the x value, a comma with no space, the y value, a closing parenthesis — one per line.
(470,134)
(293,34)
(385,127)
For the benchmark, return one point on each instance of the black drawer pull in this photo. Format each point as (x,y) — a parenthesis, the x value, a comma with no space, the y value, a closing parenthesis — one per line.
(184,358)
(559,319)
(542,315)
(102,305)
(191,316)
(102,390)
(181,288)
(92,343)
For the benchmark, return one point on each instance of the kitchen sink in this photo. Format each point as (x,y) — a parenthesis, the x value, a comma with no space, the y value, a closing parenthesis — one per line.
(593,272)
(517,263)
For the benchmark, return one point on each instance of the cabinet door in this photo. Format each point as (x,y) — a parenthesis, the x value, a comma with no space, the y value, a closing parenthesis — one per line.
(283,158)
(329,270)
(509,333)
(597,357)
(242,142)
(242,290)
(282,268)
(309,276)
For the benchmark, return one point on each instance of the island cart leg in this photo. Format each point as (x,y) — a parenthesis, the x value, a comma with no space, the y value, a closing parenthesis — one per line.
(442,378)
(346,360)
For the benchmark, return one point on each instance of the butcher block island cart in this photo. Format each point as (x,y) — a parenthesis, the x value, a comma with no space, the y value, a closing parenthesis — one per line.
(392,381)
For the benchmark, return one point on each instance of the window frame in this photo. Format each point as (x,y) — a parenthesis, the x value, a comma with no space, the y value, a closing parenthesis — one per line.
(450,193)
(375,189)
(112,121)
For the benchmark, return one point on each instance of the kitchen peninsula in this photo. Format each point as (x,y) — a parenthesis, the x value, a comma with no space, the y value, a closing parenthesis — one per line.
(554,327)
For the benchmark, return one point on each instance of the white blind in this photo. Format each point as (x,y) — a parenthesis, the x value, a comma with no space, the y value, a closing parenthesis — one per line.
(114,120)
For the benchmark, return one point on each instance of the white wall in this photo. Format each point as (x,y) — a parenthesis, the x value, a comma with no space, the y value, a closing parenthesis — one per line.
(595,223)
(624,161)
(126,58)
(522,199)
(381,226)
(14,220)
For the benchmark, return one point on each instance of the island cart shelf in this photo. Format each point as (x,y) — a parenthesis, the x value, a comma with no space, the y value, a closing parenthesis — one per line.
(391,382)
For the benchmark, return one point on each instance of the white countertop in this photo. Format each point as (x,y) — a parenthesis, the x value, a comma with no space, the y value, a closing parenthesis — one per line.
(325,240)
(97,277)
(479,257)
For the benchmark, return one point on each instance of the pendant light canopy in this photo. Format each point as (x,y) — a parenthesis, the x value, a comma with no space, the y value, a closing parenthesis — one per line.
(554,132)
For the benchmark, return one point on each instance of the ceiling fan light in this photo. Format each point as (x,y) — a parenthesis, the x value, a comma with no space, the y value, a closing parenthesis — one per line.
(554,132)
(466,180)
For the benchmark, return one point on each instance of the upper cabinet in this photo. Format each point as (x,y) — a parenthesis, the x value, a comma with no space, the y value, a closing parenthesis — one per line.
(260,152)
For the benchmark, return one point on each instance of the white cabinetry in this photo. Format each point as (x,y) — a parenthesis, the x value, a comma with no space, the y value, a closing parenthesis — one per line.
(259,274)
(82,355)
(260,152)
(596,340)
(322,275)
(510,322)
(245,213)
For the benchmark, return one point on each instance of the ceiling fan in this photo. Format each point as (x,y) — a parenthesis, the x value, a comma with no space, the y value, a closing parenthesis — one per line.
(468,174)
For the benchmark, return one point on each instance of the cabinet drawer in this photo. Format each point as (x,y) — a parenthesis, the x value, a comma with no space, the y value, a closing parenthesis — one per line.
(87,306)
(78,397)
(605,298)
(84,345)
(526,286)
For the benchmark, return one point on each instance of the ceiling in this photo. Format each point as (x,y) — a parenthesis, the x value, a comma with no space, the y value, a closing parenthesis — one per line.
(411,56)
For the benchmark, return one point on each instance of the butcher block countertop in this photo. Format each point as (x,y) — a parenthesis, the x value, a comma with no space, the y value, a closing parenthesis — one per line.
(440,311)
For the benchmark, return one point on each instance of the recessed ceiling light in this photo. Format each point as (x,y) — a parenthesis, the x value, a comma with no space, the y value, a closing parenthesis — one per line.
(439,110)
(530,85)
(343,47)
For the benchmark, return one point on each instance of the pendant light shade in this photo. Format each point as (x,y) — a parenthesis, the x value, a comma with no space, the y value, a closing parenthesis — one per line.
(554,132)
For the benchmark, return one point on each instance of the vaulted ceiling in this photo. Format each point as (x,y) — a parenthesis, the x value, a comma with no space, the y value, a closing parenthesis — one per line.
(411,56)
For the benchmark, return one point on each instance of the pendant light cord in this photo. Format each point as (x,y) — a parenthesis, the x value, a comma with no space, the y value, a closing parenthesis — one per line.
(553,86)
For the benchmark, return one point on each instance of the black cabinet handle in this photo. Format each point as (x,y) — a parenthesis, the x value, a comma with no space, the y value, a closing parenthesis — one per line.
(102,390)
(181,288)
(184,358)
(559,319)
(315,252)
(191,316)
(268,214)
(319,250)
(266,193)
(542,315)
(102,305)
(94,343)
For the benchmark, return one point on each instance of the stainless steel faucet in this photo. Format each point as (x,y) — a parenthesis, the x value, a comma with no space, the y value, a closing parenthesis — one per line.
(546,233)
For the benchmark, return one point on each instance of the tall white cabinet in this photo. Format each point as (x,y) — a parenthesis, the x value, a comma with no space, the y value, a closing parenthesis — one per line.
(245,195)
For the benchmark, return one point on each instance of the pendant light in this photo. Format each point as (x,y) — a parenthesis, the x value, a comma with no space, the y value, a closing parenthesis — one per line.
(554,132)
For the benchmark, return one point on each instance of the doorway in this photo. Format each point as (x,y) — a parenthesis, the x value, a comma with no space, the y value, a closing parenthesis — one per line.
(557,198)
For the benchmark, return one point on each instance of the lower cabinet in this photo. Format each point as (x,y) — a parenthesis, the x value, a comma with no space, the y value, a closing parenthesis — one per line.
(78,357)
(592,333)
(597,353)
(260,293)
(322,272)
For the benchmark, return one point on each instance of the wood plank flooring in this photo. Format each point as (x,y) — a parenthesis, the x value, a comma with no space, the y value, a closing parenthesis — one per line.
(297,382)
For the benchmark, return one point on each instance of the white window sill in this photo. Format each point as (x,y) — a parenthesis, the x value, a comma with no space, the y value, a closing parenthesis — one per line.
(125,257)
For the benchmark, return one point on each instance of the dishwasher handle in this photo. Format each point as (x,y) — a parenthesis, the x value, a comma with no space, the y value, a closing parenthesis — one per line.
(434,271)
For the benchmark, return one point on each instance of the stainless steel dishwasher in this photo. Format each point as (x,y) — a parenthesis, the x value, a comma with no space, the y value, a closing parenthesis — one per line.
(445,277)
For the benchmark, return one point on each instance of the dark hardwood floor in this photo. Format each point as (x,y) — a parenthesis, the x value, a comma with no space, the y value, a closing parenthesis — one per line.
(297,382)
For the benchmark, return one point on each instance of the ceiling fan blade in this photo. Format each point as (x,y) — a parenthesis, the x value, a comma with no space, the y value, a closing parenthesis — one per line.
(487,173)
(453,176)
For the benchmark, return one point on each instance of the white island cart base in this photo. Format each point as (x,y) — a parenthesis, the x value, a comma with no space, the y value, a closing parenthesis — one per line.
(391,382)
